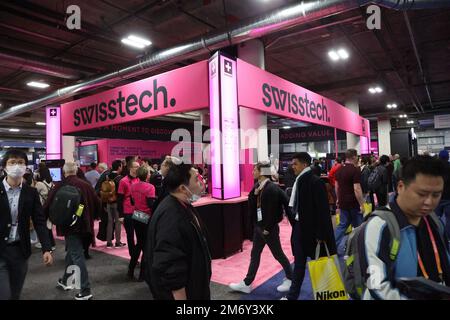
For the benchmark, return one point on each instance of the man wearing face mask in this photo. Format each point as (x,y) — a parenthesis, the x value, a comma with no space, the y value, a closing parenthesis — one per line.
(177,256)
(18,203)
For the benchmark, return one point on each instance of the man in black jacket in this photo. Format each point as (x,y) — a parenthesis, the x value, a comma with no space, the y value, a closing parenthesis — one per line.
(310,219)
(18,203)
(177,254)
(266,202)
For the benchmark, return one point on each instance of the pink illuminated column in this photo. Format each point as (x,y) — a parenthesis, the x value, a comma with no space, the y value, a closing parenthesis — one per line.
(53,133)
(224,127)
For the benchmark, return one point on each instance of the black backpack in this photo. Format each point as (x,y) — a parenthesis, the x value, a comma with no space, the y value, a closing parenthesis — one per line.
(66,206)
(375,179)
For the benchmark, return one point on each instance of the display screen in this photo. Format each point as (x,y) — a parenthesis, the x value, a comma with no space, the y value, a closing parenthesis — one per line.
(56,174)
(87,154)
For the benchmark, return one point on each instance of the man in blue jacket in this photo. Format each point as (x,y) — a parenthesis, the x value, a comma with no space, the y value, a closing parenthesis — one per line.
(423,250)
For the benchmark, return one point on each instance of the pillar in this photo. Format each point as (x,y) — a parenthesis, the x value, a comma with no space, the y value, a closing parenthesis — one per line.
(53,133)
(384,137)
(68,148)
(352,139)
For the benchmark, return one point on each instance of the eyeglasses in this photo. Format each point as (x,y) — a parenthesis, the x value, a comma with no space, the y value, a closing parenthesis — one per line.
(15,162)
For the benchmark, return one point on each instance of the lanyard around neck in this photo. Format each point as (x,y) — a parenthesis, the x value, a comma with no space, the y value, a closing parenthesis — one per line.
(436,254)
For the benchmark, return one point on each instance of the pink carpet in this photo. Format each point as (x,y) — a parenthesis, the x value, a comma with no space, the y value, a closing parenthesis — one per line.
(232,269)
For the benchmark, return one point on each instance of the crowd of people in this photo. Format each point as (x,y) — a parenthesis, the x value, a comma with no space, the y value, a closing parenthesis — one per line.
(164,231)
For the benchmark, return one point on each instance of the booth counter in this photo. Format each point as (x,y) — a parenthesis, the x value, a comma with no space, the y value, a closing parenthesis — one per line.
(227,222)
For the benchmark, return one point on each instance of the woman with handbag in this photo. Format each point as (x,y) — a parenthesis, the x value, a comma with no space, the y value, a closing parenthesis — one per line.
(142,196)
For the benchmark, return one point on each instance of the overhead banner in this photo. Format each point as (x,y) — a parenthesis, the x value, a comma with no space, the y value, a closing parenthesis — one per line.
(143,130)
(310,134)
(181,90)
(261,90)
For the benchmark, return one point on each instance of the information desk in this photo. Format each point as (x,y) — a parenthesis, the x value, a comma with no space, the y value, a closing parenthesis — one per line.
(226,222)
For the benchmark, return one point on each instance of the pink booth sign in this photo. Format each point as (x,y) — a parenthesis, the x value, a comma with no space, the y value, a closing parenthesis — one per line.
(181,90)
(261,90)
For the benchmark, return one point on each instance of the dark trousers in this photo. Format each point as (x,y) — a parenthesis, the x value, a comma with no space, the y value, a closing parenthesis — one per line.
(141,239)
(13,270)
(299,263)
(259,242)
(382,197)
(129,229)
(75,257)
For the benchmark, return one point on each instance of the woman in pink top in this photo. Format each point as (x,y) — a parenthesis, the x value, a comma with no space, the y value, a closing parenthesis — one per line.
(143,195)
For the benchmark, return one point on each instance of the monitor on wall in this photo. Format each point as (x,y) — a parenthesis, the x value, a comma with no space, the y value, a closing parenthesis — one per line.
(87,154)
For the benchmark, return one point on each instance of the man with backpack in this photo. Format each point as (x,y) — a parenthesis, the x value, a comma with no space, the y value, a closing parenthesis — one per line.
(404,240)
(71,206)
(266,202)
(108,195)
(378,181)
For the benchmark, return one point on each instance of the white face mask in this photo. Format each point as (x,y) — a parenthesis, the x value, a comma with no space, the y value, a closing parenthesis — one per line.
(194,197)
(16,171)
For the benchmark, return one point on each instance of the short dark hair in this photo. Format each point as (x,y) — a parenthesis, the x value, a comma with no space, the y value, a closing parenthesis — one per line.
(302,157)
(142,173)
(384,159)
(44,174)
(129,158)
(93,165)
(177,176)
(351,153)
(148,160)
(365,160)
(116,165)
(264,165)
(14,153)
(423,164)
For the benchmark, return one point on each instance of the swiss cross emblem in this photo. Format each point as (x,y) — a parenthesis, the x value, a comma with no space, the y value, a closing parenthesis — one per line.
(53,112)
(228,67)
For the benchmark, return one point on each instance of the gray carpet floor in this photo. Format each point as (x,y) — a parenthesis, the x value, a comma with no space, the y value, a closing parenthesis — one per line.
(107,275)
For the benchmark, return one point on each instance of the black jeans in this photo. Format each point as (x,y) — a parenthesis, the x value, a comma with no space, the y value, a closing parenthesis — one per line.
(382,196)
(299,263)
(141,237)
(259,242)
(13,270)
(129,229)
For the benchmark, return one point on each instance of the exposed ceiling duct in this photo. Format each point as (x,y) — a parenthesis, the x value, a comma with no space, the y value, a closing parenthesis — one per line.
(278,20)
(40,65)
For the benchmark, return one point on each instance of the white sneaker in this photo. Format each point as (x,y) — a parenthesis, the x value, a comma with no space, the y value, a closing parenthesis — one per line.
(241,286)
(38,245)
(285,286)
(283,298)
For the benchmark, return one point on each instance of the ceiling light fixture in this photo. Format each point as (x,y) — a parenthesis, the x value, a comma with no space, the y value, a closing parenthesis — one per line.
(392,106)
(333,55)
(36,84)
(38,141)
(374,90)
(40,123)
(14,130)
(343,54)
(136,42)
(286,127)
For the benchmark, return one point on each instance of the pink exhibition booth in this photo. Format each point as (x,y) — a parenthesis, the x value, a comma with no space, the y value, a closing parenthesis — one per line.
(221,86)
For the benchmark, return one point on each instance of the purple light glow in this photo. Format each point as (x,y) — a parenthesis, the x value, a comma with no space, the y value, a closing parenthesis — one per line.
(214,111)
(53,133)
(230,136)
(224,128)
